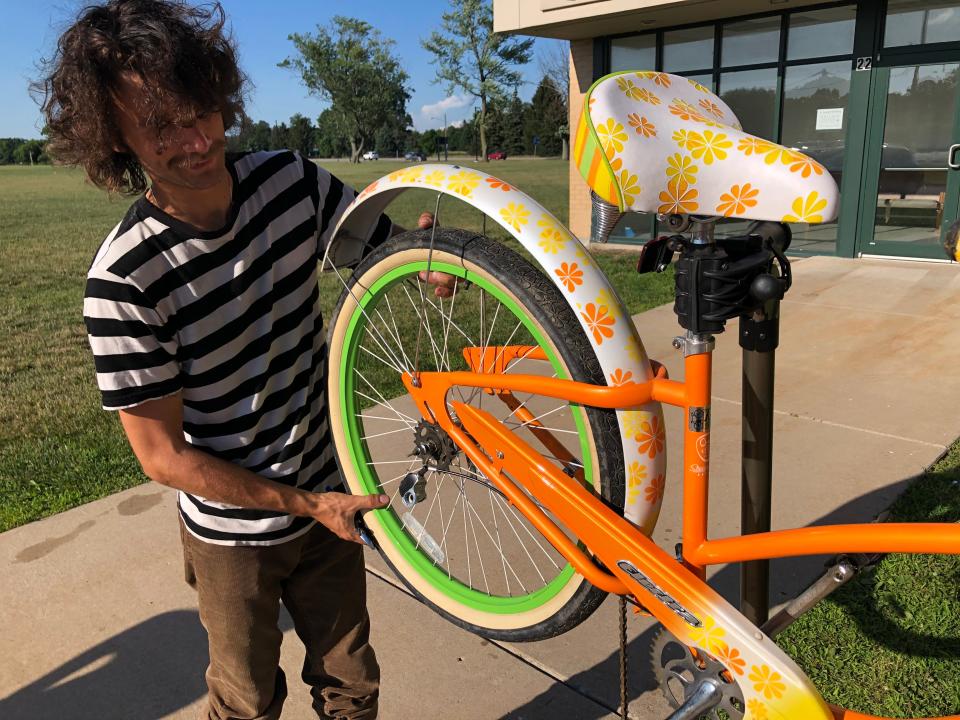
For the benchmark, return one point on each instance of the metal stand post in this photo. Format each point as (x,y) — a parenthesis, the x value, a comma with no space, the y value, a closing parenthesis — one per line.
(759,338)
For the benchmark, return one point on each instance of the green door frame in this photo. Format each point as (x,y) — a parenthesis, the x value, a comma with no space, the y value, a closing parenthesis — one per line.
(870,178)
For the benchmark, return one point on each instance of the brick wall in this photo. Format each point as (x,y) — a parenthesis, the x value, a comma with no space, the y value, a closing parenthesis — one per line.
(581,77)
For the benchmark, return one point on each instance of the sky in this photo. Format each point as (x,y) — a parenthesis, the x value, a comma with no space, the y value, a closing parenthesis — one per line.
(260,30)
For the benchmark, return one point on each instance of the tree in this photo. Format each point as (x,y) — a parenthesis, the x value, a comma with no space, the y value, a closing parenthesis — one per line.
(279,137)
(351,66)
(300,135)
(548,119)
(331,140)
(259,138)
(513,127)
(469,56)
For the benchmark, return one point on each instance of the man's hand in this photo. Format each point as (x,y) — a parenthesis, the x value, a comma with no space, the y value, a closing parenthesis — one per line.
(336,511)
(445,283)
(155,432)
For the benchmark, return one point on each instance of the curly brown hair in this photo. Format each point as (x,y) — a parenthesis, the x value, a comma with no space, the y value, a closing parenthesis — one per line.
(188,65)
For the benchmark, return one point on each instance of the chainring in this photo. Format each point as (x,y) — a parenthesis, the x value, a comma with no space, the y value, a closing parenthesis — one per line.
(678,672)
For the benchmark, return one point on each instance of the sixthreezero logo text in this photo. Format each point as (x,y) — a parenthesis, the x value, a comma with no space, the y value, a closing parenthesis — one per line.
(687,616)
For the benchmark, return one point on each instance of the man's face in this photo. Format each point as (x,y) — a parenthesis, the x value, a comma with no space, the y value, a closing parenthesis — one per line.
(187,157)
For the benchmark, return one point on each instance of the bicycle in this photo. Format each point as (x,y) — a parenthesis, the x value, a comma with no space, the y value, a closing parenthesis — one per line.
(528,403)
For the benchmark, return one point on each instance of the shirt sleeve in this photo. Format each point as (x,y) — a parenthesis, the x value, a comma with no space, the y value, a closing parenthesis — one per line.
(333,198)
(134,353)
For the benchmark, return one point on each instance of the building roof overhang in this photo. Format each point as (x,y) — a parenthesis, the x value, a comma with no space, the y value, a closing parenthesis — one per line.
(581,19)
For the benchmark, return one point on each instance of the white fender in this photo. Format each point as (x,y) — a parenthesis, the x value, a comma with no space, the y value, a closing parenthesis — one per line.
(570,267)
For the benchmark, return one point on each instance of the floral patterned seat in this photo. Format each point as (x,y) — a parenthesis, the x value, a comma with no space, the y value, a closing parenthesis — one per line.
(655,142)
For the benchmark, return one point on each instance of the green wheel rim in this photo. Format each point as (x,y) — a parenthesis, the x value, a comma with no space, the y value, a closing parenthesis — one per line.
(396,533)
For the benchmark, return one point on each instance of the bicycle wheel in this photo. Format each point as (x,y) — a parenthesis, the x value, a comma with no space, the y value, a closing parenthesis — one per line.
(459,545)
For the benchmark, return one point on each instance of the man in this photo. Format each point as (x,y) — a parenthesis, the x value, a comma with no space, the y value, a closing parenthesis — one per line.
(201,309)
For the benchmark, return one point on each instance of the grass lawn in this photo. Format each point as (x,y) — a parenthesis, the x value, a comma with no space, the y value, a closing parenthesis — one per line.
(887,643)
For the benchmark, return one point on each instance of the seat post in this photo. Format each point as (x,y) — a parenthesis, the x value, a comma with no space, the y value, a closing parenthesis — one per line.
(759,338)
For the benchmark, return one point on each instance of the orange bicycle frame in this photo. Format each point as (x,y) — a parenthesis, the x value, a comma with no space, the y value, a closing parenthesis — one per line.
(662,585)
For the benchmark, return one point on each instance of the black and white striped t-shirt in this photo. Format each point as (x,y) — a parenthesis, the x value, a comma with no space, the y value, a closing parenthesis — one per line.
(230,319)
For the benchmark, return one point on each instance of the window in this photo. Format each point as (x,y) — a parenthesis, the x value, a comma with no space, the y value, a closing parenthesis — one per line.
(634,53)
(752,95)
(689,49)
(820,33)
(751,42)
(917,22)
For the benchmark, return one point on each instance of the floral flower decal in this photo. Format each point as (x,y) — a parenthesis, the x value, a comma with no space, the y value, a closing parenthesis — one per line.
(730,657)
(807,210)
(370,188)
(698,86)
(515,215)
(635,478)
(710,146)
(629,186)
(680,137)
(651,437)
(654,491)
(711,108)
(494,184)
(598,322)
(643,126)
(709,635)
(738,200)
(612,136)
(435,178)
(767,681)
(628,88)
(805,165)
(758,711)
(552,236)
(552,242)
(632,421)
(751,145)
(648,97)
(685,111)
(464,182)
(570,275)
(619,377)
(679,198)
(681,166)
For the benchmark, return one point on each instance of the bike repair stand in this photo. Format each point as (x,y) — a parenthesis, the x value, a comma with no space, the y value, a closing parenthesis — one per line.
(759,338)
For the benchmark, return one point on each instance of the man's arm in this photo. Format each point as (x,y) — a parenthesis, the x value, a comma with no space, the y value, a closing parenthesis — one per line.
(155,432)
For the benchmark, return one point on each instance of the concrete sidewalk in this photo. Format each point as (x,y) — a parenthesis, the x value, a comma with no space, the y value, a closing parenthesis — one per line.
(97,622)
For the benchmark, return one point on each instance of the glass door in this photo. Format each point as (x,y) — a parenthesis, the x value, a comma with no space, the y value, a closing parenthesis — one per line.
(912,181)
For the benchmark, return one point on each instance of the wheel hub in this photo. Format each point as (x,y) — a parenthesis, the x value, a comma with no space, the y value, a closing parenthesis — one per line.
(433,446)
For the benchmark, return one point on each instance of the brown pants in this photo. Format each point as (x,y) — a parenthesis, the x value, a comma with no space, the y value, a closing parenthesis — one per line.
(320,579)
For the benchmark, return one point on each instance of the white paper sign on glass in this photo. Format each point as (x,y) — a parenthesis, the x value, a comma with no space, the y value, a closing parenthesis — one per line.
(830,119)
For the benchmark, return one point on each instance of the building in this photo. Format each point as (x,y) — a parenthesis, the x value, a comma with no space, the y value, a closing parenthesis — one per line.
(871,89)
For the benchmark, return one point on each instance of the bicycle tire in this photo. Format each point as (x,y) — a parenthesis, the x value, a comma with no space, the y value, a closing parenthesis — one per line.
(495,271)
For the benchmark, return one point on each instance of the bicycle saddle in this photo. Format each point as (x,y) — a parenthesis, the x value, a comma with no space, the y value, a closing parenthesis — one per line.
(656,142)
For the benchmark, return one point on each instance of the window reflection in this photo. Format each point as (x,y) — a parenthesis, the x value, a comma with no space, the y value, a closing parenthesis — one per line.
(751,42)
(752,95)
(916,22)
(911,193)
(633,53)
(818,33)
(815,114)
(690,49)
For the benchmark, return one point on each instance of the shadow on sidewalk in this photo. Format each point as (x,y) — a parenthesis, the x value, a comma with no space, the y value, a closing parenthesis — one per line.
(147,672)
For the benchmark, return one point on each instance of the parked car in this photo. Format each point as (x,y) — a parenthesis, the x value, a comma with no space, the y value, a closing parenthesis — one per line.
(371,155)
(496,155)
(415,156)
